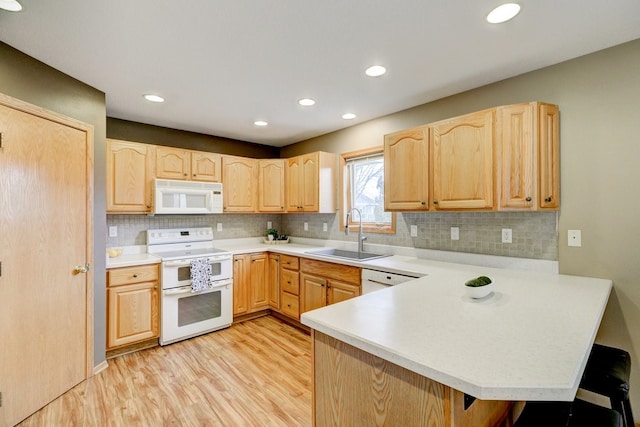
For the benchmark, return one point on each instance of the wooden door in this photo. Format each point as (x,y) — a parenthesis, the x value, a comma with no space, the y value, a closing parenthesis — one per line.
(129,177)
(173,163)
(406,170)
(259,286)
(274,281)
(462,155)
(293,184)
(206,166)
(46,224)
(340,291)
(516,146)
(241,284)
(310,182)
(271,185)
(240,179)
(549,155)
(313,292)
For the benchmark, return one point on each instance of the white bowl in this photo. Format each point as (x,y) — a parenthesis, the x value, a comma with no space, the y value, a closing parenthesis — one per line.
(478,292)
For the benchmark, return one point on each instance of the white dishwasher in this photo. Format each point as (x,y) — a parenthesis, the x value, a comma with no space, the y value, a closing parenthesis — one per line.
(374,280)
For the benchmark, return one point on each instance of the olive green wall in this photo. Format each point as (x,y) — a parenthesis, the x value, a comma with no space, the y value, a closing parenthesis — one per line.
(32,81)
(157,135)
(599,99)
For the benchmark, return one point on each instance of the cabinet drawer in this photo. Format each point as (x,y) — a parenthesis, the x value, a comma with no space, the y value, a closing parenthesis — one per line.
(290,281)
(289,262)
(290,305)
(137,274)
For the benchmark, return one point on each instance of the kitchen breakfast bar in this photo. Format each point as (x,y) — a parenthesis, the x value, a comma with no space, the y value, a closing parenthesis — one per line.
(420,352)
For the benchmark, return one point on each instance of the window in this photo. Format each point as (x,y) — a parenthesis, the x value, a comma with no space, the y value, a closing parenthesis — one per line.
(363,188)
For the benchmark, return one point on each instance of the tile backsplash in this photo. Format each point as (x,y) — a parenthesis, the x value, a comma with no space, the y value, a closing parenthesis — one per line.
(535,234)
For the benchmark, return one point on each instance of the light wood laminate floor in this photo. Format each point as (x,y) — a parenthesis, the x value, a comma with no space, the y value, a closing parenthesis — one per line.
(255,373)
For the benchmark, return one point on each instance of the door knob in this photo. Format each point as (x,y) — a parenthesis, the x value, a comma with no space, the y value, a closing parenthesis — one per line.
(81,269)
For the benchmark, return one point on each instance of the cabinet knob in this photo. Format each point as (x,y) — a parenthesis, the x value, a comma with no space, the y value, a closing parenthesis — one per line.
(548,199)
(435,202)
(195,174)
(328,286)
(423,203)
(148,206)
(185,174)
(288,282)
(528,199)
(135,276)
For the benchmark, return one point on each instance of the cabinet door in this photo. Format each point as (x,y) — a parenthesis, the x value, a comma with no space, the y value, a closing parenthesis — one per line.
(271,185)
(293,184)
(462,162)
(310,182)
(240,179)
(406,170)
(549,157)
(206,166)
(173,163)
(129,177)
(313,292)
(241,280)
(259,282)
(339,291)
(132,313)
(274,281)
(290,305)
(516,146)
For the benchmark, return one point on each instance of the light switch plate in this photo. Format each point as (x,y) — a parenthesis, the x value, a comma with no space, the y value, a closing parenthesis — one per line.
(324,226)
(575,238)
(113,231)
(414,231)
(269,224)
(219,226)
(455,233)
(306,226)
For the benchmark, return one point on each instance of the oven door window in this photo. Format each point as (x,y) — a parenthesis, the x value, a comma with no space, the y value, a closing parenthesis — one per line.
(199,307)
(184,273)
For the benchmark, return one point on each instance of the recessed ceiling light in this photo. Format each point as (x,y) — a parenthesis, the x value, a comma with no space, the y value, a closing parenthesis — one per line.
(375,71)
(10,5)
(348,116)
(154,98)
(503,13)
(260,123)
(306,102)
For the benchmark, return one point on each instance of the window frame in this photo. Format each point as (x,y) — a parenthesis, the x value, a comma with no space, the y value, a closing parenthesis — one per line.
(345,193)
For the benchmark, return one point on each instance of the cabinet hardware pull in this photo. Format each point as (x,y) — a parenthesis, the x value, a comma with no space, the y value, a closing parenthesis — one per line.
(423,202)
(435,202)
(548,199)
(185,174)
(528,199)
(135,276)
(195,174)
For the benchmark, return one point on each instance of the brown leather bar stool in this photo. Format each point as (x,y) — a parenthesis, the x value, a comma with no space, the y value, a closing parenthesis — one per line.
(578,413)
(607,373)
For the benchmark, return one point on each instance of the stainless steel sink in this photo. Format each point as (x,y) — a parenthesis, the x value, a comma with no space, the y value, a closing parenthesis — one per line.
(343,253)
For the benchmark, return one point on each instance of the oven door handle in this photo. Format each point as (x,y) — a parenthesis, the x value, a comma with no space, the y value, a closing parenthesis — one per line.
(188,290)
(185,263)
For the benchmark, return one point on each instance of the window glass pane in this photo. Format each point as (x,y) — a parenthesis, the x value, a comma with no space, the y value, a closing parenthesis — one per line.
(367,189)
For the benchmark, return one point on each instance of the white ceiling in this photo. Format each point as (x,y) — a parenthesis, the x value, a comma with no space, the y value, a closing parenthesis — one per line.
(222,64)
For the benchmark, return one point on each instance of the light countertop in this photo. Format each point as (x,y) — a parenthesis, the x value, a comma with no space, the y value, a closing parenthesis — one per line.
(528,340)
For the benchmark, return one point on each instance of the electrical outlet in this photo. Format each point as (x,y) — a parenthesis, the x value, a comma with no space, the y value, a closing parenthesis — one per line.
(113,231)
(324,226)
(219,226)
(269,224)
(455,233)
(575,238)
(414,231)
(506,235)
(306,226)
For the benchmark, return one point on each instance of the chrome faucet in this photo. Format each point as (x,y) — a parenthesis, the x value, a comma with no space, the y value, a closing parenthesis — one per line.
(361,238)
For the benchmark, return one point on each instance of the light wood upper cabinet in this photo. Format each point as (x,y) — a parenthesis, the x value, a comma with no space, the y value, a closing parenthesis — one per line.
(549,156)
(133,305)
(406,170)
(271,175)
(173,163)
(206,166)
(462,162)
(177,163)
(129,176)
(311,183)
(240,180)
(528,167)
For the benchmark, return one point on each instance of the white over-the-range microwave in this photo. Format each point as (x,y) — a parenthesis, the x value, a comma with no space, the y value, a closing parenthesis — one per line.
(187,197)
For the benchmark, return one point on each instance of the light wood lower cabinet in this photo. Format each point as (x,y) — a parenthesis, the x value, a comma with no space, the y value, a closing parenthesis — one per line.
(274,281)
(323,283)
(250,283)
(133,305)
(290,286)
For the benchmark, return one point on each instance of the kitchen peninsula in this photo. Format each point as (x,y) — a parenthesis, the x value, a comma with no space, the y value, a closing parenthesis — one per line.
(413,354)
